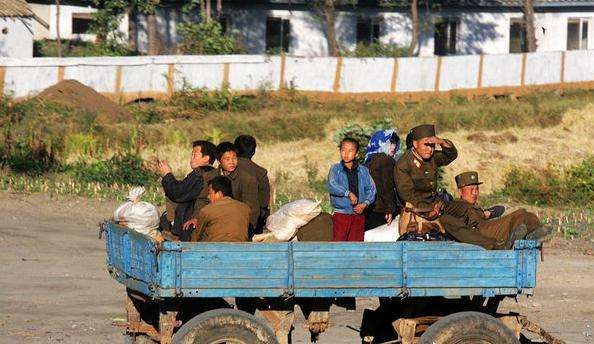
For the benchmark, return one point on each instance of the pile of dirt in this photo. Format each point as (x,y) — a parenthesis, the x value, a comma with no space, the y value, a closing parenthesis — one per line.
(75,95)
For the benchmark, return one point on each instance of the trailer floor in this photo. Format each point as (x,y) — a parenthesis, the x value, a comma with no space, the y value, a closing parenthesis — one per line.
(54,287)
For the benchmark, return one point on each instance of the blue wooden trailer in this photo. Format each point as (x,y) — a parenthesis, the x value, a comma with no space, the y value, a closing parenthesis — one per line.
(178,291)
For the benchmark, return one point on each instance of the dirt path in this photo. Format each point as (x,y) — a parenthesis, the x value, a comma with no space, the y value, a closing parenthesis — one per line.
(54,287)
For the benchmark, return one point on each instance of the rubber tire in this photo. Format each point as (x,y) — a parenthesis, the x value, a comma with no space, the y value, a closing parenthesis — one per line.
(225,323)
(468,327)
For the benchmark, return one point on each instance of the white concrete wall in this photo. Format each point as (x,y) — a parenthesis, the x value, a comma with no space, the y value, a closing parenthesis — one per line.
(147,76)
(18,40)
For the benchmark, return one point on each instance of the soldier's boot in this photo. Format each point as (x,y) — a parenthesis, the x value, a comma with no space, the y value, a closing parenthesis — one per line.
(541,234)
(518,233)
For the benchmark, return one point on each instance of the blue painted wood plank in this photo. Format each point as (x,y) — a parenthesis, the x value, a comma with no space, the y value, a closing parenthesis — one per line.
(241,283)
(344,246)
(465,263)
(338,263)
(448,255)
(320,273)
(233,273)
(383,282)
(228,247)
(457,282)
(449,272)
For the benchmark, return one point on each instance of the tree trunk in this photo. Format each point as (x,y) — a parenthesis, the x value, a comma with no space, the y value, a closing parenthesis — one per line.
(414,16)
(329,13)
(219,7)
(58,36)
(528,9)
(208,11)
(132,30)
(153,39)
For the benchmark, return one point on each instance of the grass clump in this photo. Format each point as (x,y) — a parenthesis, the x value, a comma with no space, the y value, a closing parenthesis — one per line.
(551,186)
(126,169)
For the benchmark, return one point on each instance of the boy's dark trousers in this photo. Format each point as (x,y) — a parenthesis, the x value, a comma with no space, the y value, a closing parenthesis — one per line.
(348,227)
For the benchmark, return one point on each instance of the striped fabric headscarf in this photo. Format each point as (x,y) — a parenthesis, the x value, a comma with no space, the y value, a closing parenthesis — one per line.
(380,142)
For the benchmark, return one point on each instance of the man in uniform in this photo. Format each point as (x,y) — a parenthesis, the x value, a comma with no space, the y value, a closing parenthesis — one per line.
(467,222)
(415,174)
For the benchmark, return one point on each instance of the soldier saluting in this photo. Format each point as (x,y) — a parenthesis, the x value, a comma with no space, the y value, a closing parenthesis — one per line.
(415,175)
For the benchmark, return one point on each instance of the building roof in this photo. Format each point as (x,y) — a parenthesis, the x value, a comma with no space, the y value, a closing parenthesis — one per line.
(15,8)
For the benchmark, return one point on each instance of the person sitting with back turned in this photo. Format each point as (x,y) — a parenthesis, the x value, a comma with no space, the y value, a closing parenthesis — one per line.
(467,222)
(246,148)
(244,186)
(182,194)
(415,176)
(223,219)
(380,160)
(351,190)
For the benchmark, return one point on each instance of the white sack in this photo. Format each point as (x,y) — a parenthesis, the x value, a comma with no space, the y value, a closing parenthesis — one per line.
(143,217)
(383,233)
(285,222)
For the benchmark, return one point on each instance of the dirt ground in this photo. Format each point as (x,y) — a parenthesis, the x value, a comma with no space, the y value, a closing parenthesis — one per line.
(54,287)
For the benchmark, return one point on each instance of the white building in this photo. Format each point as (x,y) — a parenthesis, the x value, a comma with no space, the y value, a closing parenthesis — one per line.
(16,28)
(458,27)
(75,18)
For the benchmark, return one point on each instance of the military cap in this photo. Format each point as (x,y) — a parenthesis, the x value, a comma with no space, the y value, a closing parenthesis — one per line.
(467,178)
(422,131)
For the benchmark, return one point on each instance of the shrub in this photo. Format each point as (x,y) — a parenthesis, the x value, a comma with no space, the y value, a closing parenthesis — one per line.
(377,49)
(551,186)
(206,37)
(28,157)
(120,169)
(361,133)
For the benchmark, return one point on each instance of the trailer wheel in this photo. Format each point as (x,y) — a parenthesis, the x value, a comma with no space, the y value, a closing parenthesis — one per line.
(228,326)
(468,327)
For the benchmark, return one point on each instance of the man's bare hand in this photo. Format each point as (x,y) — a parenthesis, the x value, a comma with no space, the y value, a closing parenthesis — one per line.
(359,208)
(353,198)
(439,141)
(487,214)
(190,224)
(164,167)
(389,218)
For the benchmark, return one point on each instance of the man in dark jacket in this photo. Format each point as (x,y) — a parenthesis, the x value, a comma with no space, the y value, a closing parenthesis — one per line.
(182,194)
(246,148)
(467,222)
(244,185)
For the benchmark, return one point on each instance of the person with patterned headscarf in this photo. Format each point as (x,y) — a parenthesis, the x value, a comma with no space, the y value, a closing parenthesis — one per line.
(380,159)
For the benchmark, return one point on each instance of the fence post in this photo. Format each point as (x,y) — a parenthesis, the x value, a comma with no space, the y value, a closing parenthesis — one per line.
(438,73)
(283,61)
(60,73)
(479,83)
(170,79)
(562,74)
(523,75)
(2,78)
(226,70)
(336,86)
(394,76)
(118,83)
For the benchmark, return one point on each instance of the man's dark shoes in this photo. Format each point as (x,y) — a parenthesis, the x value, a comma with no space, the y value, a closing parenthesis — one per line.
(517,233)
(541,234)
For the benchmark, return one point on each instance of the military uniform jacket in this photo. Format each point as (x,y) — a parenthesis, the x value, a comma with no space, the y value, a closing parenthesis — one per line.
(244,187)
(463,221)
(224,221)
(416,179)
(261,176)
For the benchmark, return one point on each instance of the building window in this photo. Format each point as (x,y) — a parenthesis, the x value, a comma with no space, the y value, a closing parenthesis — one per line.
(81,22)
(445,36)
(368,30)
(577,34)
(224,22)
(517,36)
(278,35)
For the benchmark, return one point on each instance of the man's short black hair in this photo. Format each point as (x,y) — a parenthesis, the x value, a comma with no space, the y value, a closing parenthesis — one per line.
(409,140)
(246,146)
(222,184)
(225,147)
(351,140)
(207,148)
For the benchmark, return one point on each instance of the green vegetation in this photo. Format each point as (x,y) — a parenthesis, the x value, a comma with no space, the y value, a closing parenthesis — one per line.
(377,49)
(206,37)
(551,186)
(74,48)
